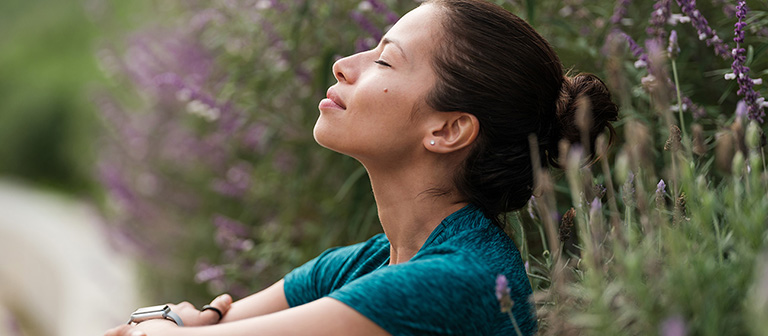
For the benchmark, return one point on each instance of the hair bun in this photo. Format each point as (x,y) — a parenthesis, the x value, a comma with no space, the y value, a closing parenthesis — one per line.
(584,104)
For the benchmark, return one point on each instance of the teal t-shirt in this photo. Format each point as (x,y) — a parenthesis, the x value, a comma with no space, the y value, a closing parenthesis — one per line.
(448,287)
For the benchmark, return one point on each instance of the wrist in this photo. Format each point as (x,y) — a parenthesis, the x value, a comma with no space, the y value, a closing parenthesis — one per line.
(157,327)
(162,312)
(157,322)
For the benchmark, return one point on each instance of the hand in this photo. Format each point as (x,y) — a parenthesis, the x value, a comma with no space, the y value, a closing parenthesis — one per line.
(151,327)
(188,313)
(193,317)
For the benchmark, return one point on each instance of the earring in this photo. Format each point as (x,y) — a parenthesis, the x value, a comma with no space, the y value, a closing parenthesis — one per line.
(432,142)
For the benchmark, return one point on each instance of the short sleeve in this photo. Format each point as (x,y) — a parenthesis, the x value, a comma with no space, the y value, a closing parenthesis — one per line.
(432,295)
(312,280)
(331,270)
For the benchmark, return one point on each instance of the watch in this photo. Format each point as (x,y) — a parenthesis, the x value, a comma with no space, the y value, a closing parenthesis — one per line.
(155,312)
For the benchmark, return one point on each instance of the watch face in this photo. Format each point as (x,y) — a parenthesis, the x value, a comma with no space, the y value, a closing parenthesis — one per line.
(149,313)
(151,310)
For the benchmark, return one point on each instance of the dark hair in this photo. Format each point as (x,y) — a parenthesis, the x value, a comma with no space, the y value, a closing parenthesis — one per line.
(494,65)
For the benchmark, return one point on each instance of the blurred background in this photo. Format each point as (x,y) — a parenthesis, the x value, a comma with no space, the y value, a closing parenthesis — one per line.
(58,274)
(158,151)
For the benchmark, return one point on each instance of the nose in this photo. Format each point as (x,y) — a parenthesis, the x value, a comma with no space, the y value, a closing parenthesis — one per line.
(345,70)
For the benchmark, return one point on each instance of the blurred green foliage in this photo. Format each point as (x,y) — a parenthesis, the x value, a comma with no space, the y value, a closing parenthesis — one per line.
(48,125)
(45,120)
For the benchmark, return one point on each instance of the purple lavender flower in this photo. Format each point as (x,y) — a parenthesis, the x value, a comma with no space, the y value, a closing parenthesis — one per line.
(673,326)
(620,11)
(741,109)
(231,235)
(660,189)
(657,73)
(659,18)
(643,61)
(236,182)
(502,286)
(381,8)
(366,43)
(755,105)
(502,293)
(706,33)
(278,44)
(637,51)
(228,224)
(254,137)
(366,24)
(595,207)
(688,105)
(207,272)
(203,18)
(673,49)
(277,5)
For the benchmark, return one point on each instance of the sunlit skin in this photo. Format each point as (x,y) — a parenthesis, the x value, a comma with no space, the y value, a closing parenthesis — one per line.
(377,114)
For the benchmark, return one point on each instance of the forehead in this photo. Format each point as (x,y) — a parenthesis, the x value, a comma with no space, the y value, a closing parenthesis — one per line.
(416,31)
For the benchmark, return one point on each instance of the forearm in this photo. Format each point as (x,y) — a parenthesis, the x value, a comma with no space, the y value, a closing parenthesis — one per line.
(265,302)
(322,317)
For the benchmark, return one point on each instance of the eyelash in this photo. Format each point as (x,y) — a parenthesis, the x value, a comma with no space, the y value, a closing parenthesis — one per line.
(380,62)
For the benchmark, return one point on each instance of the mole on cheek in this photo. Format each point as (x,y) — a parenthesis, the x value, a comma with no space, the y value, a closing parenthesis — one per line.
(385,90)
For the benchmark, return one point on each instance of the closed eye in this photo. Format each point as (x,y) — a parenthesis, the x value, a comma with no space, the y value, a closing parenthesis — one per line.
(380,62)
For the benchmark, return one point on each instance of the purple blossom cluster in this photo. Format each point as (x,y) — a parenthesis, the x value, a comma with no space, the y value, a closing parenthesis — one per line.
(620,11)
(382,9)
(673,326)
(673,49)
(284,56)
(643,61)
(595,207)
(637,51)
(231,235)
(754,102)
(375,33)
(502,293)
(706,33)
(659,17)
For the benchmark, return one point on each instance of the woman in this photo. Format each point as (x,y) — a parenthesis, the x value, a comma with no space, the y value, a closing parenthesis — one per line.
(439,113)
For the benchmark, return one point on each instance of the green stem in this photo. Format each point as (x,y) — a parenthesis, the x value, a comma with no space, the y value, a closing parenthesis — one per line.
(514,322)
(719,239)
(679,100)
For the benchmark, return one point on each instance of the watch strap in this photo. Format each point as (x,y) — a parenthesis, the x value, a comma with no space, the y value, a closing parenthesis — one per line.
(170,315)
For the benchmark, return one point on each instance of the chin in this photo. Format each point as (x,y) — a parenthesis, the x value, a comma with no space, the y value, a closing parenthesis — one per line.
(323,136)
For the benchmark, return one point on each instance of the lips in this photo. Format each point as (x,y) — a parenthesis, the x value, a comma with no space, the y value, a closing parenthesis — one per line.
(336,99)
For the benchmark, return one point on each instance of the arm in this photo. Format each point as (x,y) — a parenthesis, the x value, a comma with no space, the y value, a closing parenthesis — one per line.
(325,316)
(265,302)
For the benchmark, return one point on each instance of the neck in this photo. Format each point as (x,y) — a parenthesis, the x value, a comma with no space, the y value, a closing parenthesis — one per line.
(410,207)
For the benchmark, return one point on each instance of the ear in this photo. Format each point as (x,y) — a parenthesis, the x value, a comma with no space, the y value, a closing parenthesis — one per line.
(451,131)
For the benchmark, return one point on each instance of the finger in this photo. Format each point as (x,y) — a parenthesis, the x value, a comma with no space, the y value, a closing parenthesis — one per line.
(184,305)
(223,302)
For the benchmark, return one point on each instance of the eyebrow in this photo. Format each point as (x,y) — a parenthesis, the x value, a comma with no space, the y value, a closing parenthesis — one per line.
(387,40)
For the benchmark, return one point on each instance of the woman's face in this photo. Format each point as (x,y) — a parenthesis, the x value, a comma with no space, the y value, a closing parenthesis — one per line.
(369,113)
